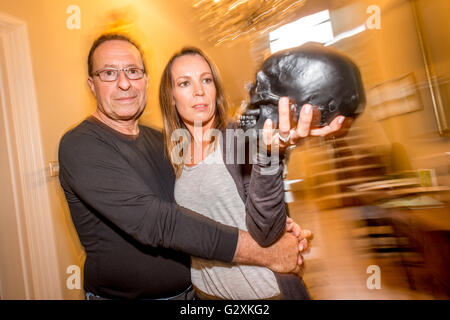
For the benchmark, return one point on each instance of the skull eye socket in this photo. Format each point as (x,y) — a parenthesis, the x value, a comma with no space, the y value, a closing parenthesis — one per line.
(332,106)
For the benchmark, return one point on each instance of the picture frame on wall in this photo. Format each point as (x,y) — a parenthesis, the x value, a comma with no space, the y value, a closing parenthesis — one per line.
(394,97)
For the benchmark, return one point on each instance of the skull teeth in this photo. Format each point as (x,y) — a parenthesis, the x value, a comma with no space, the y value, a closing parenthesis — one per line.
(247,120)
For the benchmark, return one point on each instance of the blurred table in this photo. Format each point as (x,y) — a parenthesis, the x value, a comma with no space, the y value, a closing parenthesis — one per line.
(414,213)
(429,232)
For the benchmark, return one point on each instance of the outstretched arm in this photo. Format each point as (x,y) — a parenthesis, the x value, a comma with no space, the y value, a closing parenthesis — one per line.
(266,210)
(91,171)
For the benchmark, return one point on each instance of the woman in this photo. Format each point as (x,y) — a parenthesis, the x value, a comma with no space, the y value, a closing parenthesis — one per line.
(212,181)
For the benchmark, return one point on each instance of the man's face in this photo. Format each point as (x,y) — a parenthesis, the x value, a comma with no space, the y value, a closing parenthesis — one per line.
(123,99)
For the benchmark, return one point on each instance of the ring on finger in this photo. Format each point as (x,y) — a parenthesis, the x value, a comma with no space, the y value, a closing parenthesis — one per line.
(284,139)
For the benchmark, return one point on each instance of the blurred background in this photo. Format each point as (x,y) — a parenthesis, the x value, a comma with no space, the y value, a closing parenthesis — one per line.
(376,196)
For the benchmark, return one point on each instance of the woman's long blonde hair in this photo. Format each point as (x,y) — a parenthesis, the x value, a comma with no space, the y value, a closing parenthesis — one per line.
(171,118)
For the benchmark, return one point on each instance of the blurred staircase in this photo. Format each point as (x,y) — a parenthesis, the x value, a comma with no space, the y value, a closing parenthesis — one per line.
(336,164)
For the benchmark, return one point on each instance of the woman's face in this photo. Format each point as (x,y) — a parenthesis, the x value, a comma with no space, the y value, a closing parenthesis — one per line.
(194,92)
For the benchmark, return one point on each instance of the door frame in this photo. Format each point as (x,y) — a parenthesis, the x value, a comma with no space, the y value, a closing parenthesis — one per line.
(30,179)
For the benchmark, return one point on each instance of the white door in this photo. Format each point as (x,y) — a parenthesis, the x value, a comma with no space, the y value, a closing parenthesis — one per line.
(28,257)
(13,283)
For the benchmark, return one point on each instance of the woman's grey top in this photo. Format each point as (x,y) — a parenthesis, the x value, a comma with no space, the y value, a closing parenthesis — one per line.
(209,189)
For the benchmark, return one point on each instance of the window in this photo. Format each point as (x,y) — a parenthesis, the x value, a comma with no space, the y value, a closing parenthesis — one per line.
(316,27)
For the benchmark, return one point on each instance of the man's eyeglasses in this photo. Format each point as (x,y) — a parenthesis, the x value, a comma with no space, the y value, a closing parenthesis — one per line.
(111,74)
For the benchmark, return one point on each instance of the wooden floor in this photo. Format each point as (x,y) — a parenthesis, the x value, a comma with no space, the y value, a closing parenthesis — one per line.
(336,268)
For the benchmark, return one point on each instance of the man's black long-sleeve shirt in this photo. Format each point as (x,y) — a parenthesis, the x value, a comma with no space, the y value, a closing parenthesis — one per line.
(120,194)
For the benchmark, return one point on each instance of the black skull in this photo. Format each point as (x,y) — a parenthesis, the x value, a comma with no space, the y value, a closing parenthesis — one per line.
(310,73)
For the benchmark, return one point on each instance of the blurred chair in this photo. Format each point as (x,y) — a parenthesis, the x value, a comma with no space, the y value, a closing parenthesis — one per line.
(384,238)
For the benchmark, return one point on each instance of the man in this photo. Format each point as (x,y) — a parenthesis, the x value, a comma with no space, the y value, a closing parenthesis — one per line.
(119,187)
